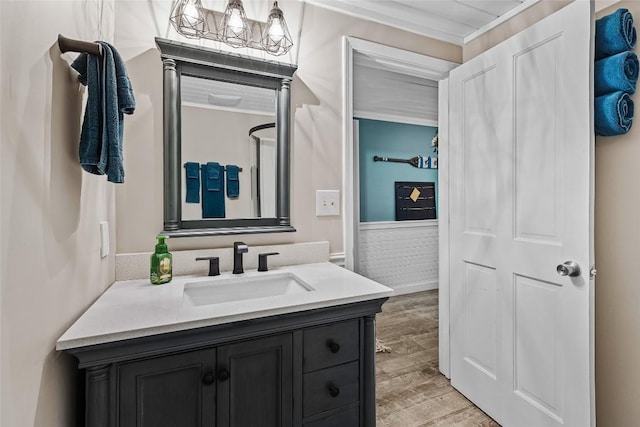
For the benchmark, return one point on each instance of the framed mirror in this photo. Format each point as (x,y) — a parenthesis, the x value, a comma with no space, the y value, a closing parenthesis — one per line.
(226,142)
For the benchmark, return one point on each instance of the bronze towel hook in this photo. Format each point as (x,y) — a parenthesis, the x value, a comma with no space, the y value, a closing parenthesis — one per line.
(71,45)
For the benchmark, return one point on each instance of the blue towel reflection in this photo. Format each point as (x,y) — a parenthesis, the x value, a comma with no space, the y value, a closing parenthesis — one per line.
(212,190)
(233,181)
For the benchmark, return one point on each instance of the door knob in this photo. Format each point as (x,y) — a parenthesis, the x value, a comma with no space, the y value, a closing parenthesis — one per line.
(569,268)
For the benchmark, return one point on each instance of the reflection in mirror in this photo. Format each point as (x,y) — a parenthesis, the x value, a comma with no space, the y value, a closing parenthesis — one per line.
(264,154)
(223,124)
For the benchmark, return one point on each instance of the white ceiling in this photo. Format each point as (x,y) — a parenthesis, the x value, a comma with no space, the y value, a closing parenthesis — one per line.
(454,21)
(380,92)
(218,95)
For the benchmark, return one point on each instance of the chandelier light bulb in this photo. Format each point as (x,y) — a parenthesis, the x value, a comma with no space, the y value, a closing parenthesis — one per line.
(235,21)
(276,32)
(190,14)
(275,37)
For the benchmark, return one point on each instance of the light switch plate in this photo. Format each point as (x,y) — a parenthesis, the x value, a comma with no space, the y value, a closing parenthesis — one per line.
(327,202)
(104,239)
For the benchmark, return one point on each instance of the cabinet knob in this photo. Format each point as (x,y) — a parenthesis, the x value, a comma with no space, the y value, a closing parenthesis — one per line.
(333,346)
(208,379)
(223,374)
(333,390)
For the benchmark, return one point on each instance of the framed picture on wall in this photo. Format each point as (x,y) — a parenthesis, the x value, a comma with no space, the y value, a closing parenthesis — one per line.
(415,200)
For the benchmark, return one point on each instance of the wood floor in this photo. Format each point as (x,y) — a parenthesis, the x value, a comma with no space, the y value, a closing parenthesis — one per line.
(410,389)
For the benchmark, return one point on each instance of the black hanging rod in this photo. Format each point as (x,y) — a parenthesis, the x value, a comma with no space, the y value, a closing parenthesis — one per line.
(70,45)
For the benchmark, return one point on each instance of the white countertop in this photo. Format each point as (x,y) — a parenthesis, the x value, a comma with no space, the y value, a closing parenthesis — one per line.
(136,308)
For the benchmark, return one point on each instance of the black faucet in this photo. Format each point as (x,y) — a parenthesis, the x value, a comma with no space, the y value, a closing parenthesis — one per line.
(214,264)
(239,248)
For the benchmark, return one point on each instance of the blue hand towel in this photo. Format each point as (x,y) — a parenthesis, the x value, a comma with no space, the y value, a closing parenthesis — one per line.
(192,175)
(93,155)
(233,181)
(613,114)
(616,73)
(103,126)
(615,33)
(212,190)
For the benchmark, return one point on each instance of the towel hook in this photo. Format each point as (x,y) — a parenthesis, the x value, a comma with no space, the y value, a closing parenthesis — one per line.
(70,45)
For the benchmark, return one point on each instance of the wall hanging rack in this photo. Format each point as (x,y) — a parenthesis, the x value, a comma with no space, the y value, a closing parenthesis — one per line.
(421,162)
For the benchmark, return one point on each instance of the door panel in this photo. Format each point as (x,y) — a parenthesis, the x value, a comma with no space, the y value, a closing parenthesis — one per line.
(168,391)
(479,92)
(521,142)
(538,373)
(256,385)
(480,322)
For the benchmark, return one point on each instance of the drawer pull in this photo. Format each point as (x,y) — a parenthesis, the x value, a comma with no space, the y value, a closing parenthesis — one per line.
(223,374)
(333,346)
(333,390)
(208,378)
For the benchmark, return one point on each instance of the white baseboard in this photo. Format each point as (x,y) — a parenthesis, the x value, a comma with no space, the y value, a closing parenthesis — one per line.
(411,288)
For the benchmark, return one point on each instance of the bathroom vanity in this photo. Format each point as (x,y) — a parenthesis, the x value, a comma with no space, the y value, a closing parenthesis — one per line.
(290,347)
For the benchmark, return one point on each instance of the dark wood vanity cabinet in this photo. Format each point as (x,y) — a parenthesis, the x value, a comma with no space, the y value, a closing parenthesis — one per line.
(168,391)
(255,382)
(313,368)
(242,384)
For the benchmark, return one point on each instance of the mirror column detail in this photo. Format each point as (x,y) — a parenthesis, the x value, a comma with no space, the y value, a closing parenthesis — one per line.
(171,156)
(283,166)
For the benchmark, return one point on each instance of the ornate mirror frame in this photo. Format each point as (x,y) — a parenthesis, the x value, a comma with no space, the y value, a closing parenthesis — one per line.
(181,58)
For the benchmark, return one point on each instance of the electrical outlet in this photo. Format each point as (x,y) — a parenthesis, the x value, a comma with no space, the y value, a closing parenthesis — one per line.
(104,239)
(327,202)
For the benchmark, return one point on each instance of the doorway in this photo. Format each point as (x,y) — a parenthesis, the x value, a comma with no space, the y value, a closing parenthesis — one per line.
(412,66)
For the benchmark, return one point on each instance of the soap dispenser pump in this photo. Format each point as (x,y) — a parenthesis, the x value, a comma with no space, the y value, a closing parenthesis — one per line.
(161,263)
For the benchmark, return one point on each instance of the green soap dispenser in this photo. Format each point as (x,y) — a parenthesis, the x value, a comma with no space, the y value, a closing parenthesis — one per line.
(161,263)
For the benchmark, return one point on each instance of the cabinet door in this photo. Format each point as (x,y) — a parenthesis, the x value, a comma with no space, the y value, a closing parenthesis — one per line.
(255,383)
(176,390)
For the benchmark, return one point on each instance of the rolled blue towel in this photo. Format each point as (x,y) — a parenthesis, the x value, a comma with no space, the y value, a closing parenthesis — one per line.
(615,33)
(613,114)
(616,73)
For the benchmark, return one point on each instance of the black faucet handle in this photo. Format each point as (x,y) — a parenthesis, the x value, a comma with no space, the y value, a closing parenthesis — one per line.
(262,260)
(240,247)
(214,264)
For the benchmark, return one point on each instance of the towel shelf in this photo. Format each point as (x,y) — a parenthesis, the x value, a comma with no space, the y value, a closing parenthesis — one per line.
(70,45)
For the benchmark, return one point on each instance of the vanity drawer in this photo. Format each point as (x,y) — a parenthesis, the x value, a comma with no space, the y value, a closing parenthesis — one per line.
(331,345)
(347,418)
(331,388)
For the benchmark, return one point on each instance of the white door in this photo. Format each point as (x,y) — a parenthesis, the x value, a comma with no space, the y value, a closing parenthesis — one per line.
(521,159)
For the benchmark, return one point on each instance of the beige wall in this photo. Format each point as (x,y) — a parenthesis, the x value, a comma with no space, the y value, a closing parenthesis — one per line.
(317,148)
(617,241)
(50,211)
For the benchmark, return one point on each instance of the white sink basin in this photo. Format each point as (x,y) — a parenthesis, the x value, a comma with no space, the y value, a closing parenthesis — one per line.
(243,288)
